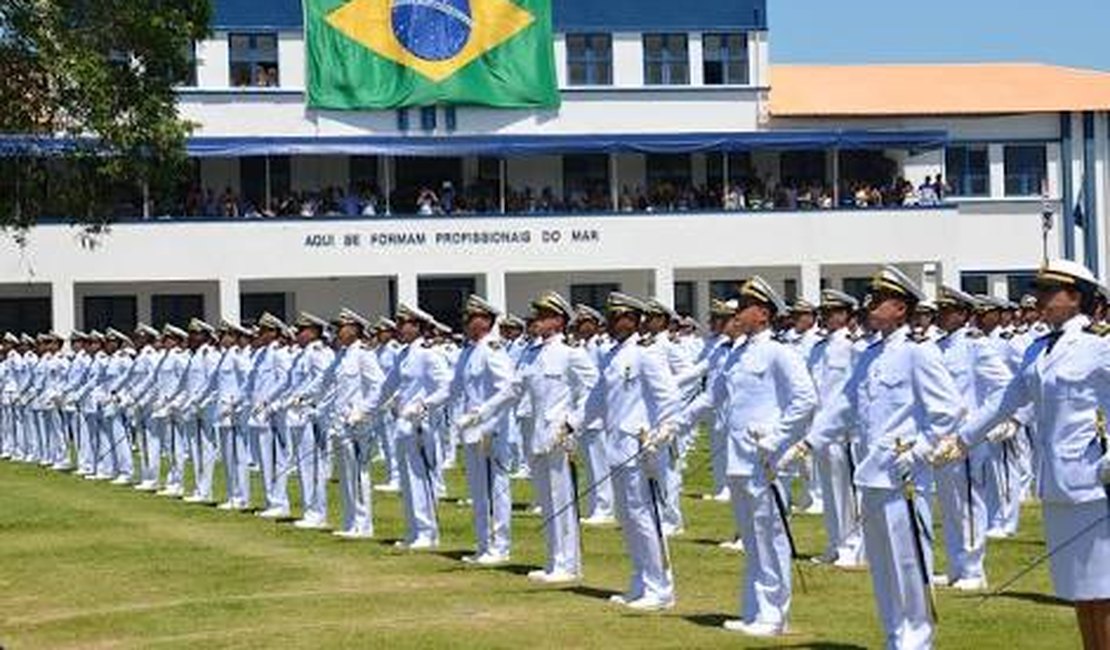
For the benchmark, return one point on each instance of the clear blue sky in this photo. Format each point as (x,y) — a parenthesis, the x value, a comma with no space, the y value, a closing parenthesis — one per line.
(1065,32)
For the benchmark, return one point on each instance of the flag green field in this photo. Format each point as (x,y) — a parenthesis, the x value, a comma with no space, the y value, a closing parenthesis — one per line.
(89,565)
(379,54)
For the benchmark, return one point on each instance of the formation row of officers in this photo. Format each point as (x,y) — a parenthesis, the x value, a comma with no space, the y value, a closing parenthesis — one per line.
(883,406)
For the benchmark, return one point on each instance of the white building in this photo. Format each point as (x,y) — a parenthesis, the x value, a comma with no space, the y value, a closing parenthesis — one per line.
(663,104)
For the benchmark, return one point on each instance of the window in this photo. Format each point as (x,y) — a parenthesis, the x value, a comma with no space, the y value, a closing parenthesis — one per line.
(790,289)
(102,312)
(1025,169)
(1019,284)
(666,60)
(594,295)
(856,287)
(253,305)
(443,298)
(589,60)
(428,118)
(671,168)
(968,170)
(725,59)
(974,283)
(253,60)
(725,289)
(685,298)
(586,179)
(176,309)
(25,315)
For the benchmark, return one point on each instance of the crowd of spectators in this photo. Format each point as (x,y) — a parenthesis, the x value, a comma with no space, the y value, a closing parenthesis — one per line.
(485,198)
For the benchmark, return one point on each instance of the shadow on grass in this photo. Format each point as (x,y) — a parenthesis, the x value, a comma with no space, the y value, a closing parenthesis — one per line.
(517,569)
(591,592)
(1027,596)
(824,646)
(708,620)
(705,541)
(718,620)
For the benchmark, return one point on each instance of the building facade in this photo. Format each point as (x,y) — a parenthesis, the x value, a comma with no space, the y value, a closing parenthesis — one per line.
(665,109)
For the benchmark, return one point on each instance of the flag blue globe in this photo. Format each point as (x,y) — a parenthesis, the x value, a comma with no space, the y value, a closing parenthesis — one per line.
(433,30)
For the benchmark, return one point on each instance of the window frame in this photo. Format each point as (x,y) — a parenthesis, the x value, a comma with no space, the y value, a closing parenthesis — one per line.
(725,58)
(254,57)
(597,65)
(960,183)
(1022,180)
(668,58)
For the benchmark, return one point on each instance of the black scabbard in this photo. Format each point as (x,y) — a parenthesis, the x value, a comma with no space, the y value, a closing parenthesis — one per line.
(919,550)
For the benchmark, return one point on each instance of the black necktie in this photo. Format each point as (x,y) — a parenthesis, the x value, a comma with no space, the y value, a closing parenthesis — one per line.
(1052,338)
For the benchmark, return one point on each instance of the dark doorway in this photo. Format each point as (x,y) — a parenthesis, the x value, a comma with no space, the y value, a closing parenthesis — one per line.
(444,298)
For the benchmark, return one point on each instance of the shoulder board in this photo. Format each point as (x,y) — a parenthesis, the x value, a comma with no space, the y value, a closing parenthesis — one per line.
(1098,329)
(1006,336)
(975,333)
(647,340)
(495,345)
(919,337)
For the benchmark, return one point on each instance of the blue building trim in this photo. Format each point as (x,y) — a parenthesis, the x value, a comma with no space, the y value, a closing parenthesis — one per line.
(568,15)
(1090,223)
(1066,222)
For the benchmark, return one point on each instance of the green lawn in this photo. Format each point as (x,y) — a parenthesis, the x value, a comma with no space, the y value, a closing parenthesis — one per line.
(90,565)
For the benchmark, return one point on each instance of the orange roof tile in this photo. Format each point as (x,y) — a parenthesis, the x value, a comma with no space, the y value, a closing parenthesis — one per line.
(946,89)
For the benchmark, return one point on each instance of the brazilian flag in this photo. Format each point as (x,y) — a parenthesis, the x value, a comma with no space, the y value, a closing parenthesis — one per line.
(374,54)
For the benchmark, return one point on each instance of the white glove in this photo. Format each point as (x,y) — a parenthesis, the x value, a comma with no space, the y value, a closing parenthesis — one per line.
(414,412)
(663,434)
(1104,469)
(949,450)
(764,439)
(905,461)
(355,418)
(468,420)
(794,453)
(1004,431)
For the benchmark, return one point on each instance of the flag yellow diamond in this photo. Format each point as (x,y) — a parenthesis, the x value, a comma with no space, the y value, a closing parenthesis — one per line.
(369,23)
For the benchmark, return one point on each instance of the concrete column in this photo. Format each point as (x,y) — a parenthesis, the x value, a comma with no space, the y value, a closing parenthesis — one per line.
(998,286)
(663,285)
(996,159)
(495,289)
(809,286)
(696,54)
(62,315)
(407,291)
(229,301)
(702,298)
(933,275)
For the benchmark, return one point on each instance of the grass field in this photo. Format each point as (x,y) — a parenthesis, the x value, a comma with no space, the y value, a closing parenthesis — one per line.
(89,565)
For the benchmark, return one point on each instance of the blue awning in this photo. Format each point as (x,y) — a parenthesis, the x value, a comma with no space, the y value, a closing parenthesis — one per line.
(532,145)
(515,145)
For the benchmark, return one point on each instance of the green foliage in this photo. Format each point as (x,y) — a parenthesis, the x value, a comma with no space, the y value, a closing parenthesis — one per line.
(102,72)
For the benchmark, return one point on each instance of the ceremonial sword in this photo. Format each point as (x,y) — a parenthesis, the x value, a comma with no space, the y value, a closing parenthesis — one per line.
(909,492)
(780,506)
